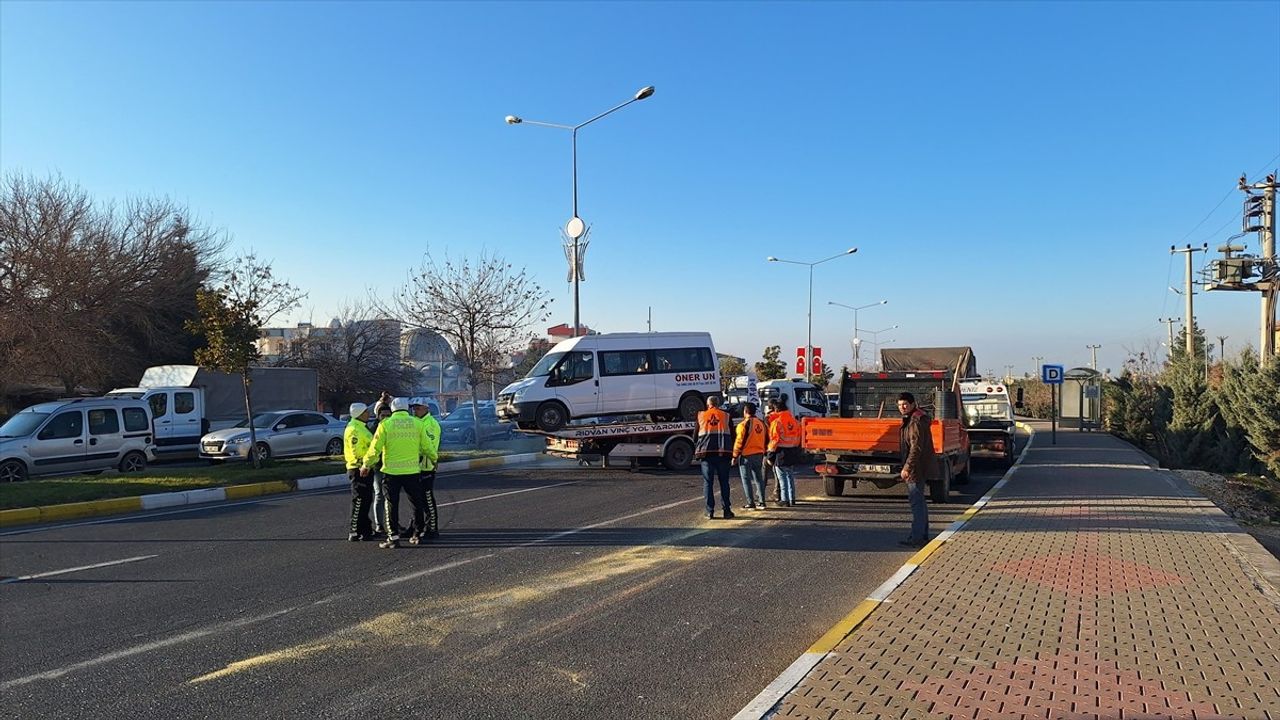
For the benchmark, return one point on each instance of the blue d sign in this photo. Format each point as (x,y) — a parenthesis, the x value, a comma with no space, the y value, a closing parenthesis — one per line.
(1051,374)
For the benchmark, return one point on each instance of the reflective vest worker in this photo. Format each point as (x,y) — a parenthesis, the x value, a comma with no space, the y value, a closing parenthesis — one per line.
(714,434)
(784,436)
(400,441)
(418,406)
(356,439)
(750,438)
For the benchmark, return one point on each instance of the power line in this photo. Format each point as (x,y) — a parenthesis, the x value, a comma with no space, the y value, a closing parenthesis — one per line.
(1224,199)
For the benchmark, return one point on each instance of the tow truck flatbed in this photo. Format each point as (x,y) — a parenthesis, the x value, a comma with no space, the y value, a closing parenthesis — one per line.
(670,443)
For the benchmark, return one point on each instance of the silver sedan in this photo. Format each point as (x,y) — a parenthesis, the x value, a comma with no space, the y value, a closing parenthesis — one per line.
(279,434)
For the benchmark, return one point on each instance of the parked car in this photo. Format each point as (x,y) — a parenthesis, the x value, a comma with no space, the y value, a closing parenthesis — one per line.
(81,435)
(459,426)
(279,434)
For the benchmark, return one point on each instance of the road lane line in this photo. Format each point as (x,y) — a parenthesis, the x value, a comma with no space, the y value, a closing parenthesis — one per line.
(51,573)
(139,649)
(256,501)
(538,541)
(431,570)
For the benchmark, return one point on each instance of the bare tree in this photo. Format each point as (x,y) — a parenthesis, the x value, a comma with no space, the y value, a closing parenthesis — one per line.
(483,307)
(232,315)
(90,293)
(358,357)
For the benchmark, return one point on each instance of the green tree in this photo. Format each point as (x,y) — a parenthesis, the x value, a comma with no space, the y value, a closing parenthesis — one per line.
(1189,438)
(1179,349)
(1251,402)
(730,367)
(770,367)
(231,318)
(824,378)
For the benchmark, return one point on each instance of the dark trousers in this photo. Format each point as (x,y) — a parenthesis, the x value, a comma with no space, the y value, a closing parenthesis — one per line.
(412,486)
(429,492)
(717,466)
(361,502)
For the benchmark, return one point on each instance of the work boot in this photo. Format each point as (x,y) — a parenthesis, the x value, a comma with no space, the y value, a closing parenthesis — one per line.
(355,537)
(390,543)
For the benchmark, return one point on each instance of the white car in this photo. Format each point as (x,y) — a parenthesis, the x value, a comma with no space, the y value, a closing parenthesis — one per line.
(279,434)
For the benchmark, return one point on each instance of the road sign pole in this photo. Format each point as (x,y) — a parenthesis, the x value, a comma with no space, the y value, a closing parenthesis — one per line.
(1053,411)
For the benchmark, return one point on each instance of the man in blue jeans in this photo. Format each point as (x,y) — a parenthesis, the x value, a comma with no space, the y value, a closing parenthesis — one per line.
(715,448)
(915,440)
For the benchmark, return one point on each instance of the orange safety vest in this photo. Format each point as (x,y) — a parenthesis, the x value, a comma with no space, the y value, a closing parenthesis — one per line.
(751,437)
(784,430)
(714,433)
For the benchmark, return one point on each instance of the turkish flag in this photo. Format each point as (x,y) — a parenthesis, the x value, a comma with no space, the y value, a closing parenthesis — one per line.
(800,364)
(817,363)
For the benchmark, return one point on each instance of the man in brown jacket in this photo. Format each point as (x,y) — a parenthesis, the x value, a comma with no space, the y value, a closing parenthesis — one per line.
(916,442)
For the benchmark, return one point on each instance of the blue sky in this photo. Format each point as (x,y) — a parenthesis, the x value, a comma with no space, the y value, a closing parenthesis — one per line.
(1013,174)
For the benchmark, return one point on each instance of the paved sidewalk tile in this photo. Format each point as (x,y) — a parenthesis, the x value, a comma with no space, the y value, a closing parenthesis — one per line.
(1092,586)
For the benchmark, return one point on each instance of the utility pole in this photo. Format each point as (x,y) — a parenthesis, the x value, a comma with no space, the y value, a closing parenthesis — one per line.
(1094,350)
(1037,361)
(1222,348)
(1169,322)
(1231,271)
(1191,317)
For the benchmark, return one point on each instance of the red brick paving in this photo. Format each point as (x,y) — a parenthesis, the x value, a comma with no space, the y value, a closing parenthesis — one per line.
(1077,592)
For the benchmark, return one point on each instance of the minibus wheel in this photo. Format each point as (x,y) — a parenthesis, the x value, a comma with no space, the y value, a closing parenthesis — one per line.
(552,416)
(690,405)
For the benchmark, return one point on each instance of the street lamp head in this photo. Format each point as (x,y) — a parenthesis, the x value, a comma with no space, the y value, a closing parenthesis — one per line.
(851,251)
(513,120)
(884,302)
(772,259)
(644,92)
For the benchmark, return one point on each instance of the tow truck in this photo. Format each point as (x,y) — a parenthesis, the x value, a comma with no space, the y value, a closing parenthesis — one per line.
(635,442)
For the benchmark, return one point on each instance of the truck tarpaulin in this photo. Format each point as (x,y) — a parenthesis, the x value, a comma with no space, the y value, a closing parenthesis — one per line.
(939,358)
(270,388)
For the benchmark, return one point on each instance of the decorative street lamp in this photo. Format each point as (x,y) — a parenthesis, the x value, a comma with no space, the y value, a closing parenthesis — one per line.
(808,347)
(576,228)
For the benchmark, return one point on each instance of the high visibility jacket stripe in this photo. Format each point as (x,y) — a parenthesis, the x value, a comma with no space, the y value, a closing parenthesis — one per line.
(432,428)
(714,433)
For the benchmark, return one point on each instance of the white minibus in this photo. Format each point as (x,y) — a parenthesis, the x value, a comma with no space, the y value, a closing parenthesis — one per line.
(666,375)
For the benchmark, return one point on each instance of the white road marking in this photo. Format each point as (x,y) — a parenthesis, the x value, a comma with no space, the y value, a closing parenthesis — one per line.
(51,573)
(139,649)
(530,543)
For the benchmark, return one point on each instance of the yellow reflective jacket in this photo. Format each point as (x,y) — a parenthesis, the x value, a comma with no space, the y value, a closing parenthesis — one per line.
(355,443)
(400,441)
(432,428)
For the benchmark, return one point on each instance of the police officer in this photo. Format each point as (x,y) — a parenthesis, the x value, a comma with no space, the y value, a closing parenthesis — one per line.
(418,406)
(400,441)
(355,443)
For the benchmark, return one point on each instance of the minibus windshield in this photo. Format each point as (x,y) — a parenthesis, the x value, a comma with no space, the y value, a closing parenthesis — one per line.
(544,365)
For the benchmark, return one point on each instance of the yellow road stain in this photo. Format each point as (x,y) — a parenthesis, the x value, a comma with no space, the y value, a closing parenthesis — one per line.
(430,621)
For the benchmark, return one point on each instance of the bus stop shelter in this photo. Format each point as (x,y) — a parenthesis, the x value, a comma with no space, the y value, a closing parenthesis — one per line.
(1080,405)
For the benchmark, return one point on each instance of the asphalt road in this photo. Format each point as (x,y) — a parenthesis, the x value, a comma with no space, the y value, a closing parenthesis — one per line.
(555,591)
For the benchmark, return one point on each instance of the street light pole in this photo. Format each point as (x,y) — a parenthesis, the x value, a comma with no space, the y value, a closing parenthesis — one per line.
(808,347)
(857,343)
(576,228)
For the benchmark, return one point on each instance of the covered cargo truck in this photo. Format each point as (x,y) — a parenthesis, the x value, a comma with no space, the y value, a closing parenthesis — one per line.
(189,401)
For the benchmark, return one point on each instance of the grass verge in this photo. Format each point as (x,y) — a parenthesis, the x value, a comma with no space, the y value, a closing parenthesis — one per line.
(161,478)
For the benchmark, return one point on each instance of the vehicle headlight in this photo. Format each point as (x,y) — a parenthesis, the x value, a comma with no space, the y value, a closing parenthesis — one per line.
(238,440)
(515,396)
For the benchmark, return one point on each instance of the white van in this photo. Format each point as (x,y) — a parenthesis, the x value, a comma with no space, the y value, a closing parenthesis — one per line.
(667,375)
(76,436)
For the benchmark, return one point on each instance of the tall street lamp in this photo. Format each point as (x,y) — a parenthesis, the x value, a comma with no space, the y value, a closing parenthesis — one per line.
(808,346)
(857,343)
(575,228)
(875,339)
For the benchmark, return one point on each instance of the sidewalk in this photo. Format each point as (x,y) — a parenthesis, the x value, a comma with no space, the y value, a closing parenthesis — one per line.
(1091,586)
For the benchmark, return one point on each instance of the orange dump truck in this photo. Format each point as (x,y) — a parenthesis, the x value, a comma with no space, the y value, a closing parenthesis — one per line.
(862,443)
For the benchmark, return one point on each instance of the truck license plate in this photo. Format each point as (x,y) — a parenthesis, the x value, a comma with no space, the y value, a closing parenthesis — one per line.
(882,469)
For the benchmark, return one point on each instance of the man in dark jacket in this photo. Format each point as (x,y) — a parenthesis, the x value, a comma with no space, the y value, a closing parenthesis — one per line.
(916,442)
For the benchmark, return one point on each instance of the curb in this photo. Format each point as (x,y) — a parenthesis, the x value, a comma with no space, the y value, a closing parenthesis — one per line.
(117,506)
(763,705)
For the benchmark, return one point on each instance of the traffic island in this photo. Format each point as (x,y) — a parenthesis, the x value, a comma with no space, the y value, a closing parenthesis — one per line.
(121,494)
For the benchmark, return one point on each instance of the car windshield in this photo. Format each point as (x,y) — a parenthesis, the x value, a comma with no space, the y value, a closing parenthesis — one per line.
(544,365)
(990,410)
(22,424)
(264,420)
